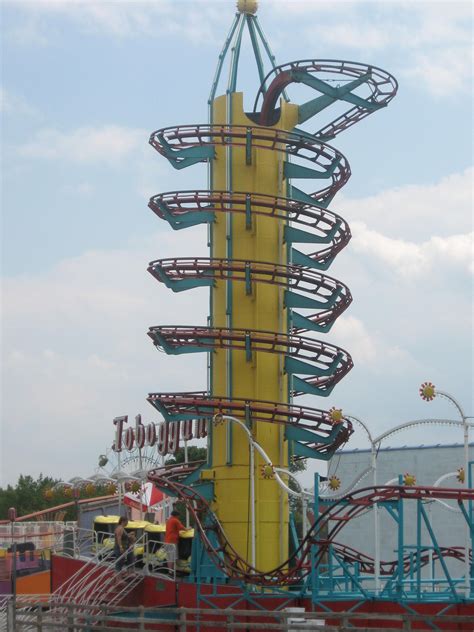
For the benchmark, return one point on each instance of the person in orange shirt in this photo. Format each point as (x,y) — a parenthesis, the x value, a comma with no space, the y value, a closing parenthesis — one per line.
(173,527)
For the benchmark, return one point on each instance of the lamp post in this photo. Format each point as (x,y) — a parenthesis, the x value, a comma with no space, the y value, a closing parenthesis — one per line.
(374,445)
(428,392)
(373,465)
(268,471)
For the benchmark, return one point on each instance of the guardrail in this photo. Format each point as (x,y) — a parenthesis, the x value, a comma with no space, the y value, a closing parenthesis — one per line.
(26,614)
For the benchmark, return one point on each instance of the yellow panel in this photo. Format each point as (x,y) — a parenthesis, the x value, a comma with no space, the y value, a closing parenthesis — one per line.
(262,377)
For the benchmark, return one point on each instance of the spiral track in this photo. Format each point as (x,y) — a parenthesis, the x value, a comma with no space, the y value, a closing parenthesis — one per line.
(314,300)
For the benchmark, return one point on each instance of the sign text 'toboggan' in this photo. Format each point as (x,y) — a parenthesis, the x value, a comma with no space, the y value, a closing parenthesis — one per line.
(166,436)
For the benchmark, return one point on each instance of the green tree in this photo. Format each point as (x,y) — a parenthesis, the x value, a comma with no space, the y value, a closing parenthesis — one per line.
(194,454)
(29,496)
(294,502)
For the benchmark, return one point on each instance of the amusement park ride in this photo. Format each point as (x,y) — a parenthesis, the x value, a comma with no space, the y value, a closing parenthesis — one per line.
(272,304)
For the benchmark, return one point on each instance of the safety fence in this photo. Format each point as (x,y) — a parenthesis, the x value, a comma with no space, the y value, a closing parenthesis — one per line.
(33,615)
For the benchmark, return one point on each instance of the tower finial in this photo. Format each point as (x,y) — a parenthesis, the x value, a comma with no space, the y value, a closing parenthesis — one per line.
(247,6)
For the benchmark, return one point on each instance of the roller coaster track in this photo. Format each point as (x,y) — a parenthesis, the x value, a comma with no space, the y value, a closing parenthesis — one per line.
(313,290)
(182,209)
(321,535)
(327,364)
(187,145)
(313,431)
(313,367)
(380,85)
(366,563)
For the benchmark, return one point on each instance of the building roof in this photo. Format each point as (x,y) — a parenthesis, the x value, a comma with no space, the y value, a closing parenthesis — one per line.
(405,447)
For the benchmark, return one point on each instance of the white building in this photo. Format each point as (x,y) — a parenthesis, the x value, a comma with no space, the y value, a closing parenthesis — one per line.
(427,464)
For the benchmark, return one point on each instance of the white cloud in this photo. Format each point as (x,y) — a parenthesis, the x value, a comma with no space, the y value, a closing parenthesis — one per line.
(369,348)
(14,104)
(435,38)
(410,259)
(444,72)
(76,352)
(414,212)
(413,25)
(80,188)
(122,19)
(108,144)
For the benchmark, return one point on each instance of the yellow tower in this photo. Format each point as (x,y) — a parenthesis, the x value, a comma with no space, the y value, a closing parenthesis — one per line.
(270,297)
(250,375)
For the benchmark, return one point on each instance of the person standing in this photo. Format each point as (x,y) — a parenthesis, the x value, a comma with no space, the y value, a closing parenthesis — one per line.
(173,527)
(122,543)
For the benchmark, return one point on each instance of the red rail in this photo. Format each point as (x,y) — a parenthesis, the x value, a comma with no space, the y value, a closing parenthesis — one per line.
(200,405)
(330,363)
(321,288)
(321,535)
(328,161)
(380,85)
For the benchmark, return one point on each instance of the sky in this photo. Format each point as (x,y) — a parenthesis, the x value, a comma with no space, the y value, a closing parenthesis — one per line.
(83,84)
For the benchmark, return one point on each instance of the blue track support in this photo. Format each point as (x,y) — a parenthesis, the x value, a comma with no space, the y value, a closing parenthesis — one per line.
(301,322)
(400,543)
(314,549)
(437,549)
(292,170)
(292,299)
(418,549)
(295,235)
(293,365)
(299,258)
(300,385)
(331,95)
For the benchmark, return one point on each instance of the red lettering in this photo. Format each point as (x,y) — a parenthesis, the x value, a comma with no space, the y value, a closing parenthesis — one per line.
(200,428)
(187,427)
(162,446)
(139,432)
(150,434)
(129,439)
(119,422)
(173,436)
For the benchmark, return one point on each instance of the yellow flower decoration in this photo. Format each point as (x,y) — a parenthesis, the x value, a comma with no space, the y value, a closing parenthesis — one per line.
(409,479)
(461,475)
(111,488)
(334,483)
(90,488)
(218,419)
(335,415)
(67,491)
(48,494)
(427,391)
(135,486)
(267,471)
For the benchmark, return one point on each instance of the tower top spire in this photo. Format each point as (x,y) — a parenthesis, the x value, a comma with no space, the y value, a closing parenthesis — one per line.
(247,6)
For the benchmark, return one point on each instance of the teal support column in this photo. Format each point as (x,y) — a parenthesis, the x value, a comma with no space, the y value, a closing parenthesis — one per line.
(400,542)
(315,547)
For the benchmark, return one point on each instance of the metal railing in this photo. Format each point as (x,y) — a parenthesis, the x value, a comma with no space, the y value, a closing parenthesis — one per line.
(25,614)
